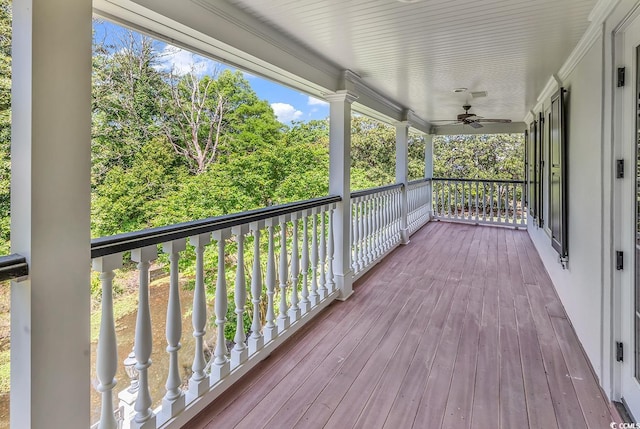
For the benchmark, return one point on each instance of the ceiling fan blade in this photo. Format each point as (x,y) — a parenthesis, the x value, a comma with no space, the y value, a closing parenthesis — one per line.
(501,121)
(475,124)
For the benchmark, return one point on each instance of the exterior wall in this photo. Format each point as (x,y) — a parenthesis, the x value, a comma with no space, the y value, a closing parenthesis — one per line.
(580,285)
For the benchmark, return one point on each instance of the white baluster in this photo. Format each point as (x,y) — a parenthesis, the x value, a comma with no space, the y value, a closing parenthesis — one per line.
(283,317)
(369,229)
(442,187)
(477,206)
(305,304)
(515,203)
(522,210)
(143,343)
(294,310)
(107,352)
(361,236)
(499,209)
(331,285)
(322,281)
(270,329)
(256,340)
(365,231)
(240,353)
(449,210)
(484,201)
(199,382)
(221,366)
(387,222)
(173,401)
(462,200)
(470,208)
(491,193)
(313,296)
(354,235)
(377,226)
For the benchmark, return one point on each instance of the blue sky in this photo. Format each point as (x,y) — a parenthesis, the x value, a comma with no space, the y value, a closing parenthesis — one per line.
(287,104)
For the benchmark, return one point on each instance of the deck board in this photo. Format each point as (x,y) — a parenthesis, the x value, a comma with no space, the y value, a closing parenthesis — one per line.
(461,328)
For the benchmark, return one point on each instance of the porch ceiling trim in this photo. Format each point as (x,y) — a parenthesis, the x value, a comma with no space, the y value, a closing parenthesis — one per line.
(216,31)
(597,17)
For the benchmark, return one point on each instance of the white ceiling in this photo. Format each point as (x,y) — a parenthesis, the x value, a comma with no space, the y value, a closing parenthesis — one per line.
(417,53)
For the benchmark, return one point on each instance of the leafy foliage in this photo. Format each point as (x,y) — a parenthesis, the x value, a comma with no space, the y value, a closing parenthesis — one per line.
(5,123)
(496,156)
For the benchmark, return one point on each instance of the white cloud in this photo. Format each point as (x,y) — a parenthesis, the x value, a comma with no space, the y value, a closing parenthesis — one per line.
(285,112)
(315,102)
(183,62)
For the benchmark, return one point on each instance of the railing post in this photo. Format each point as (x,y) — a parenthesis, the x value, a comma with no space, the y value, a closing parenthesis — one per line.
(339,184)
(402,172)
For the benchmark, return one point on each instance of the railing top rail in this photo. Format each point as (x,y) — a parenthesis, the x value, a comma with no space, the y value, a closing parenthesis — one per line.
(134,240)
(452,179)
(371,191)
(13,266)
(417,181)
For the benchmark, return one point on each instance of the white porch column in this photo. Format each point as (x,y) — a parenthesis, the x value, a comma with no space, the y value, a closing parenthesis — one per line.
(50,213)
(428,156)
(428,168)
(402,173)
(339,184)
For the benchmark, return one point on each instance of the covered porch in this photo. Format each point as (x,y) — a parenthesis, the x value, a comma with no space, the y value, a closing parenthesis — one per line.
(459,328)
(388,307)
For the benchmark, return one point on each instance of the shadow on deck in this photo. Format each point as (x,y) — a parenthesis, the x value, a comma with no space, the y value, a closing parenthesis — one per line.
(460,328)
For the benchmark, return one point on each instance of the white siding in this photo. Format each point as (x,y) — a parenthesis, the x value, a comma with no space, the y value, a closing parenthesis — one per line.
(580,285)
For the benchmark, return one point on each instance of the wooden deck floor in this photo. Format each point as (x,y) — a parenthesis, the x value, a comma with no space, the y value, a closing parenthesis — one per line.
(459,329)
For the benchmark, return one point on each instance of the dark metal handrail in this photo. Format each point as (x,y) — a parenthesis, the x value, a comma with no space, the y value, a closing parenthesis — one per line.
(451,179)
(371,191)
(415,182)
(13,266)
(134,240)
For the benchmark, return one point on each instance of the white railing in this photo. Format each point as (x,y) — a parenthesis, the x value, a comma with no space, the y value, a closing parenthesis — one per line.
(419,204)
(300,278)
(494,202)
(376,225)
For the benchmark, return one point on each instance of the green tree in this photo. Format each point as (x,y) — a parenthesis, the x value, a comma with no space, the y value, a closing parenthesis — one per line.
(212,114)
(128,89)
(128,199)
(488,156)
(5,123)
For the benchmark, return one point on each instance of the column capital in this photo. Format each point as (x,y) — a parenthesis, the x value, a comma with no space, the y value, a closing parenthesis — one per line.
(342,95)
(400,124)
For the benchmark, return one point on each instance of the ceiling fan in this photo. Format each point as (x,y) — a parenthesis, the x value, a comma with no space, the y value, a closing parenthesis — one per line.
(472,119)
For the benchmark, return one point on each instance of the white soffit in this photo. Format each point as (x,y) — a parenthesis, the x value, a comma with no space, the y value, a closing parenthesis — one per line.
(416,53)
